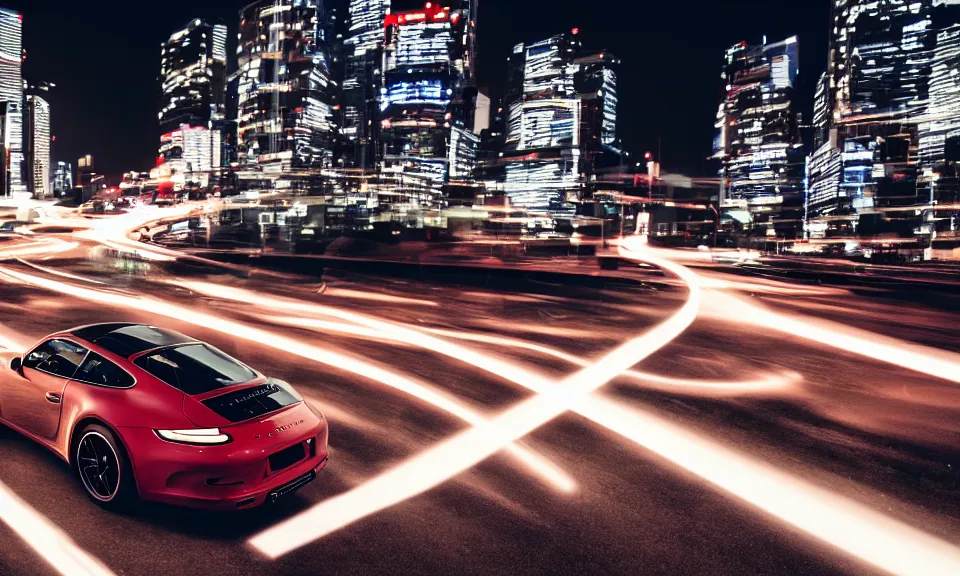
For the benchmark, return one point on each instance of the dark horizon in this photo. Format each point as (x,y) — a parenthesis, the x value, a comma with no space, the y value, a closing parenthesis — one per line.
(105,63)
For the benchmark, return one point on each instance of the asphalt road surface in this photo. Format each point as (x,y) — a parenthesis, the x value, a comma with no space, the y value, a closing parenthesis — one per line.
(782,395)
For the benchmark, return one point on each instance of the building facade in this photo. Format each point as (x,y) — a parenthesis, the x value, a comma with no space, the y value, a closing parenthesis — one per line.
(363,72)
(62,184)
(883,119)
(11,102)
(286,92)
(193,68)
(425,107)
(37,164)
(556,124)
(939,130)
(758,139)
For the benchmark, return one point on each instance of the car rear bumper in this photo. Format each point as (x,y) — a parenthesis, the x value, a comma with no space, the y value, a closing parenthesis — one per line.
(236,475)
(245,500)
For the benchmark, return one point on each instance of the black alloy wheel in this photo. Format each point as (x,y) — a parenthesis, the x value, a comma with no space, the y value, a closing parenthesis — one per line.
(99,466)
(104,468)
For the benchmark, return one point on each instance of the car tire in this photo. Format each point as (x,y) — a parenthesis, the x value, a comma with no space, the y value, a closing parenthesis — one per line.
(103,467)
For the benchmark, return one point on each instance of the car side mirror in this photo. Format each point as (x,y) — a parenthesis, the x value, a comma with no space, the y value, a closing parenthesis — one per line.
(16,364)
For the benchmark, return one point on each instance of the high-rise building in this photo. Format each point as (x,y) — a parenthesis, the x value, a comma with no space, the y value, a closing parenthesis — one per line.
(875,136)
(363,62)
(758,141)
(62,184)
(193,67)
(426,104)
(286,124)
(939,130)
(556,123)
(11,102)
(37,137)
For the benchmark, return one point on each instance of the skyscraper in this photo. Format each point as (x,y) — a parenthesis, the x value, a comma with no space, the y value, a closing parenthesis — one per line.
(426,111)
(939,130)
(363,55)
(285,94)
(62,184)
(867,172)
(193,65)
(558,117)
(758,141)
(37,136)
(11,101)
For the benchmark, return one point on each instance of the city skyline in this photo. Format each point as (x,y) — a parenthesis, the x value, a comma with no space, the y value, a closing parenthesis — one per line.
(661,103)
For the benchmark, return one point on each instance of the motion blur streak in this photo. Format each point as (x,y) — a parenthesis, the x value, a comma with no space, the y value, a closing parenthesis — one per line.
(911,356)
(770,383)
(486,362)
(847,525)
(51,246)
(921,359)
(46,540)
(138,251)
(467,449)
(58,273)
(548,471)
(358,295)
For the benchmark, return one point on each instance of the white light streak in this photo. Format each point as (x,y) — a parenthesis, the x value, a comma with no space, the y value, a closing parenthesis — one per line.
(48,541)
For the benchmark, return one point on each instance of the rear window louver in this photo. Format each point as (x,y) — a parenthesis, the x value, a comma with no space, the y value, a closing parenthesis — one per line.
(251,402)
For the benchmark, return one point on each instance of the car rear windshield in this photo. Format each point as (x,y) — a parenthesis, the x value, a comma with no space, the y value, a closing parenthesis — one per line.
(195,368)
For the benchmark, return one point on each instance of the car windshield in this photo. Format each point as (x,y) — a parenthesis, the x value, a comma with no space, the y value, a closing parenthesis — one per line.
(195,368)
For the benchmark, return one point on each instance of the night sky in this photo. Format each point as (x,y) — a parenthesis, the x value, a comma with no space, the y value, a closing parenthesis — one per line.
(104,57)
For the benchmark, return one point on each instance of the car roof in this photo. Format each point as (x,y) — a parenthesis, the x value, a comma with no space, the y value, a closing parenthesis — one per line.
(128,339)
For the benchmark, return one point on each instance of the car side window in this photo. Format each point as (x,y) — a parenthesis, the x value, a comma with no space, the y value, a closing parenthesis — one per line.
(58,357)
(99,371)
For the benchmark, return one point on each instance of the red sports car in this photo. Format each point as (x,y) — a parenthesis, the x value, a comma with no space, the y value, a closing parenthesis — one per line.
(143,411)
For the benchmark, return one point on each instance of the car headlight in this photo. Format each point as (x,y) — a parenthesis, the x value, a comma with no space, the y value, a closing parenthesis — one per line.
(202,436)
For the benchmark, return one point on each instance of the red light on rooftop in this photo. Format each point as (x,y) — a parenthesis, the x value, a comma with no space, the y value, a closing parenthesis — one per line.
(648,155)
(575,31)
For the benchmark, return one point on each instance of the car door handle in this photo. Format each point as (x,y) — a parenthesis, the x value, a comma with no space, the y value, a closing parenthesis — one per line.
(53,397)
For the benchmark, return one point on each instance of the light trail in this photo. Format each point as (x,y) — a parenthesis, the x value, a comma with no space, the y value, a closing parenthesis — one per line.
(492,364)
(467,449)
(375,296)
(548,471)
(137,250)
(840,522)
(770,383)
(388,330)
(851,527)
(53,272)
(48,541)
(50,246)
(922,359)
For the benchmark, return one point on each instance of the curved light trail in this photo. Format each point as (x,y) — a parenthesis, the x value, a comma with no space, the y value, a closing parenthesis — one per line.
(851,527)
(838,521)
(534,462)
(467,449)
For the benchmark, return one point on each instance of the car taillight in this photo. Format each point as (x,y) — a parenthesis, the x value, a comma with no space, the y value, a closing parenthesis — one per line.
(201,436)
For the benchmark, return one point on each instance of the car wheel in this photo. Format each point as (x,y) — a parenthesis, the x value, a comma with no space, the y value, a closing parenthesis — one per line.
(103,467)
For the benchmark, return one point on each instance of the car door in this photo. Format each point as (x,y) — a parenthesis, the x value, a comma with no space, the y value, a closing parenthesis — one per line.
(34,403)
